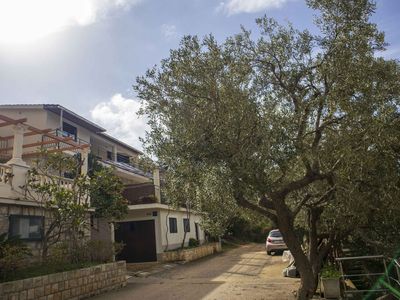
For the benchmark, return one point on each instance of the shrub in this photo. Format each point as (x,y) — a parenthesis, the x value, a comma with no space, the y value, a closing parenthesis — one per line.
(193,242)
(13,254)
(329,271)
(103,251)
(90,251)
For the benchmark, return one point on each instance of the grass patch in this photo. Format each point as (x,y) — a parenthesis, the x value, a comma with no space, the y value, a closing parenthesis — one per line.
(36,270)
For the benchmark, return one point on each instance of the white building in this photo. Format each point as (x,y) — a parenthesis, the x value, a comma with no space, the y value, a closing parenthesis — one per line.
(149,228)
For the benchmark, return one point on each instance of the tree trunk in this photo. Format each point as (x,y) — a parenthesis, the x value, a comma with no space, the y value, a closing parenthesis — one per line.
(304,266)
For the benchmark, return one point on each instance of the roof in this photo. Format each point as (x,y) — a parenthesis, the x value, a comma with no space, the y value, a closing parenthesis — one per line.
(116,141)
(70,115)
(56,108)
(77,119)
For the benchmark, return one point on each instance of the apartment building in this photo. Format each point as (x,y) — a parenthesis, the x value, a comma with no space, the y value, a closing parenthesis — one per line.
(149,228)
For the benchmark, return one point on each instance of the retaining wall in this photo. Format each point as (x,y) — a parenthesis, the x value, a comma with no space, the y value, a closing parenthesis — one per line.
(190,254)
(76,284)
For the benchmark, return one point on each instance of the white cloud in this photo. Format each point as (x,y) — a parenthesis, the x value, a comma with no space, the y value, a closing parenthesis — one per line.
(119,117)
(169,31)
(27,20)
(232,7)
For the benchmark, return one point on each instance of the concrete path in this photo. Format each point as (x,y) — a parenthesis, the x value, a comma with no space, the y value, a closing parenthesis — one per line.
(246,272)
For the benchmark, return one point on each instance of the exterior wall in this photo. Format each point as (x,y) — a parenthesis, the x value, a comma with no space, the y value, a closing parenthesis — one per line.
(101,145)
(9,209)
(77,284)
(100,230)
(172,241)
(35,117)
(41,119)
(27,210)
(53,121)
(164,239)
(190,254)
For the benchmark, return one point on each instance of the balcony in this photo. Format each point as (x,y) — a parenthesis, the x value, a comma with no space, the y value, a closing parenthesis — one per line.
(20,142)
(140,194)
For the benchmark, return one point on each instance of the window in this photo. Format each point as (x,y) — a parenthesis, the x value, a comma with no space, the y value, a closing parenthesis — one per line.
(123,158)
(186,225)
(26,227)
(70,130)
(109,155)
(173,228)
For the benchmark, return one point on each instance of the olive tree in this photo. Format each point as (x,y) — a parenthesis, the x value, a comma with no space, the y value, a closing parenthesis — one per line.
(287,123)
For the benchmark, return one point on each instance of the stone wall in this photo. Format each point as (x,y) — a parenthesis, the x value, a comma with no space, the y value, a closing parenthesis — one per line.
(77,284)
(190,254)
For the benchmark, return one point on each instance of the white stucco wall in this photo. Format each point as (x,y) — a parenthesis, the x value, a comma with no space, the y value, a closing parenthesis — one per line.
(53,121)
(174,240)
(163,236)
(35,117)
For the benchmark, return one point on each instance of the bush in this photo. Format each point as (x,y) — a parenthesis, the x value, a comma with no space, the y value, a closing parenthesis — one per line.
(193,242)
(90,251)
(13,254)
(329,271)
(102,251)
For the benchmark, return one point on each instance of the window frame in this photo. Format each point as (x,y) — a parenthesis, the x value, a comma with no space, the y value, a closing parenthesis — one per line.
(14,218)
(70,128)
(175,225)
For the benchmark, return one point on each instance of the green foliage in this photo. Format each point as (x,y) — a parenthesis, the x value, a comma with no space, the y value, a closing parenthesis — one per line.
(301,128)
(13,254)
(65,200)
(106,194)
(68,200)
(329,271)
(41,269)
(193,243)
(248,227)
(96,251)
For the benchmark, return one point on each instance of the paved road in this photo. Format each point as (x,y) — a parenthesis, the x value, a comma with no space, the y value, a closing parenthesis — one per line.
(242,273)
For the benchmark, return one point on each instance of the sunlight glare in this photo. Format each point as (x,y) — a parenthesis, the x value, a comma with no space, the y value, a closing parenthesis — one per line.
(23,21)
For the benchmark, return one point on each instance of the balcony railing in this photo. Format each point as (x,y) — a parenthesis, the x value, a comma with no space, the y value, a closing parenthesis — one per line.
(61,181)
(5,172)
(50,143)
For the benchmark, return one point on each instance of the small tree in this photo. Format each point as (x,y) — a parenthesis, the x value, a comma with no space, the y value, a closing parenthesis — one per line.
(106,194)
(64,203)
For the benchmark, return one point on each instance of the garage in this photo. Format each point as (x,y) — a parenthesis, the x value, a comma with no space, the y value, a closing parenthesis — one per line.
(139,239)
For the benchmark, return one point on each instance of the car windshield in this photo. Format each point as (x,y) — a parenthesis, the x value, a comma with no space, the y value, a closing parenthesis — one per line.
(275,234)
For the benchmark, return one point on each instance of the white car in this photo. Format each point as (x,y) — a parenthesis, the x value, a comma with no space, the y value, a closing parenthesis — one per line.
(275,242)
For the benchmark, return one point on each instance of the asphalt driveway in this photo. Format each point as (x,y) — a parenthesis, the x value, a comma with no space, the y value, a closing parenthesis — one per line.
(246,272)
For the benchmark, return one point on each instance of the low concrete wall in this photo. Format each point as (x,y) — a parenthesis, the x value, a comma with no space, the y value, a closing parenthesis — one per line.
(76,284)
(190,254)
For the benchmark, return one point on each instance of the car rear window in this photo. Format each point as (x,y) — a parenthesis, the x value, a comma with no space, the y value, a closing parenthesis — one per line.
(275,234)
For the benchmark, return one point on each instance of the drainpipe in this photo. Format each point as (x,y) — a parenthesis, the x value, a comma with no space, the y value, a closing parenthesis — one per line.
(61,119)
(156,181)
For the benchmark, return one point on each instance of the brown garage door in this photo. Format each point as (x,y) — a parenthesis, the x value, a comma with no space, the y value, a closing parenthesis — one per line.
(139,239)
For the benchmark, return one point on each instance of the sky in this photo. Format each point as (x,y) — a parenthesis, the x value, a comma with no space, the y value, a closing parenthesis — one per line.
(86,54)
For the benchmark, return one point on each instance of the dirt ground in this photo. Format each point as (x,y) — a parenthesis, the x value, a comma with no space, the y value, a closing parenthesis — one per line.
(246,272)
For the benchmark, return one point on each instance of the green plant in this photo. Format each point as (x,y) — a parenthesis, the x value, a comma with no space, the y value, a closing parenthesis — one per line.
(193,242)
(102,251)
(329,271)
(13,253)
